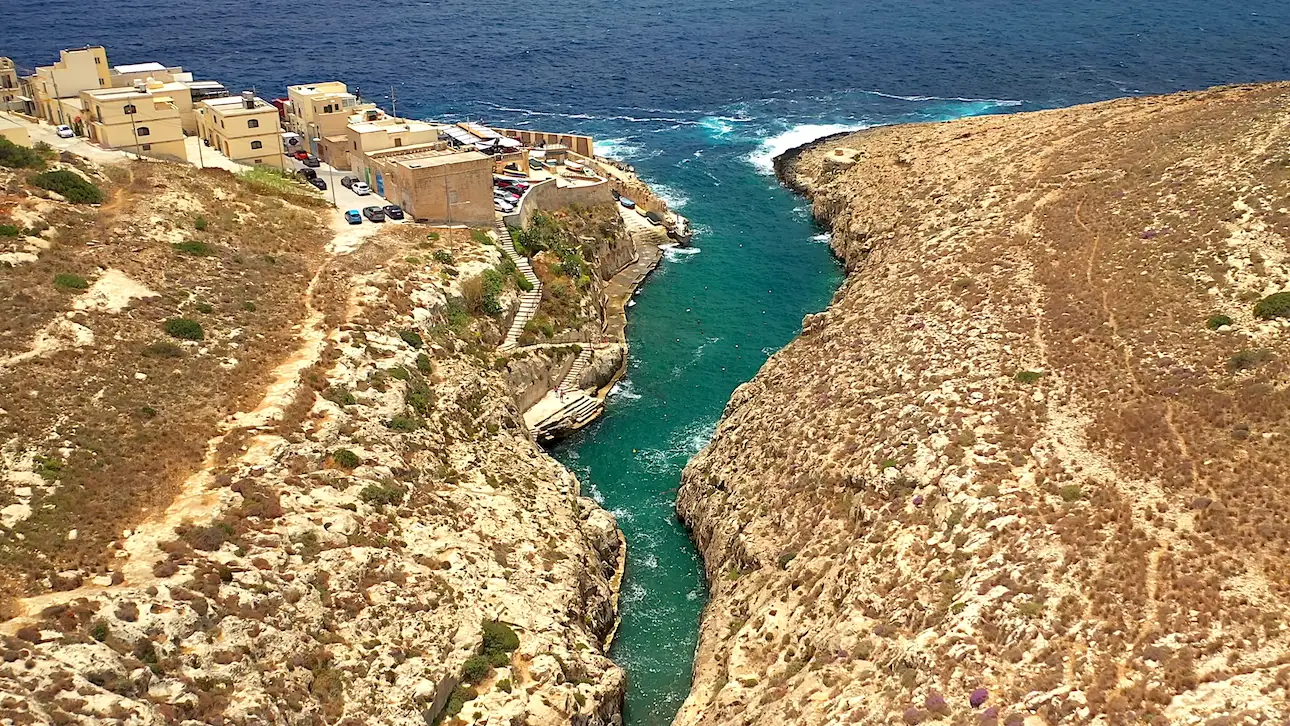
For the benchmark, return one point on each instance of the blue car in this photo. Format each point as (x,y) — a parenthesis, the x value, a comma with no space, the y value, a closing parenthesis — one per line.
(353,217)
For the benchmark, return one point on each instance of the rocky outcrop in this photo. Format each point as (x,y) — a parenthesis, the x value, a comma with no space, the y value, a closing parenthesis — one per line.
(1029,465)
(377,541)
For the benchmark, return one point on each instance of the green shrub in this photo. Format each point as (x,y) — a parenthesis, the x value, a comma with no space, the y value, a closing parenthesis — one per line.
(1028,376)
(345,458)
(1247,359)
(476,669)
(194,248)
(504,685)
(249,306)
(405,423)
(339,395)
(399,373)
(10,230)
(423,363)
(1072,493)
(461,695)
(411,337)
(480,236)
(499,637)
(70,185)
(68,281)
(432,237)
(183,328)
(1218,321)
(19,157)
(444,257)
(1276,305)
(382,494)
(419,397)
(48,467)
(522,282)
(99,631)
(200,224)
(493,284)
(205,307)
(163,349)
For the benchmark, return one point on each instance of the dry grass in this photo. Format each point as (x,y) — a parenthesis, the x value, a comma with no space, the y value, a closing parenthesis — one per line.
(130,425)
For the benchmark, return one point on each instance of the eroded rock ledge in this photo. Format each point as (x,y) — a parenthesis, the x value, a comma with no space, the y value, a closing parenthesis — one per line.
(1029,467)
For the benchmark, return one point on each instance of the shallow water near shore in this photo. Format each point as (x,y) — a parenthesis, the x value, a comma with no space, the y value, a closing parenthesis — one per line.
(700,96)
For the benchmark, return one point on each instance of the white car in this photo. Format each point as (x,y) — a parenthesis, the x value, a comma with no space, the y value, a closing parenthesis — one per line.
(65,132)
(503,206)
(360,188)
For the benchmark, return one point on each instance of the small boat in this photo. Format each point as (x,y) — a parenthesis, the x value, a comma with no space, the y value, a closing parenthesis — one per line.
(679,230)
(654,218)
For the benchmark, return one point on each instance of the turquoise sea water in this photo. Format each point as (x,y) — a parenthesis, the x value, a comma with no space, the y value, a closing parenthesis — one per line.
(698,95)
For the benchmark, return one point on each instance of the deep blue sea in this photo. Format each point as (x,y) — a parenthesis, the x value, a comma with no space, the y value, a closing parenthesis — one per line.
(699,95)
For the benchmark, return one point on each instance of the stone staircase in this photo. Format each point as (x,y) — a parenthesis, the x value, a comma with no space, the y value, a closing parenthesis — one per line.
(528,300)
(569,384)
(639,226)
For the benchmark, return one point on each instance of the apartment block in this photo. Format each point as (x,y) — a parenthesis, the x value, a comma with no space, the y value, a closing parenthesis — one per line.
(244,128)
(145,119)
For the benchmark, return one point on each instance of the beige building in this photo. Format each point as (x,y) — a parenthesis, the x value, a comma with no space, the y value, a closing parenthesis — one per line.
(433,184)
(14,131)
(581,145)
(244,128)
(320,110)
(10,89)
(57,88)
(145,119)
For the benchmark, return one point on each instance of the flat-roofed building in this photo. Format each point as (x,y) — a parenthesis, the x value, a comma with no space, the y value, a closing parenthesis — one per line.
(57,88)
(319,110)
(432,183)
(243,128)
(581,145)
(10,89)
(145,118)
(14,131)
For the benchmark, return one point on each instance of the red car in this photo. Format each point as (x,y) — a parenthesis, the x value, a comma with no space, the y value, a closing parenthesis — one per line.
(301,155)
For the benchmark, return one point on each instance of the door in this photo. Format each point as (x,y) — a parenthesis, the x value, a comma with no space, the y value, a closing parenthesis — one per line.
(380,185)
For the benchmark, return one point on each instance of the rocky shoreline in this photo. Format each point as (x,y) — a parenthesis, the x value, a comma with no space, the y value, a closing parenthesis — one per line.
(997,480)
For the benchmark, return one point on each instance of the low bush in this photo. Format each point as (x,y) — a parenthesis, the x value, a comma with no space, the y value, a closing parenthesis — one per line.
(345,458)
(476,669)
(382,494)
(411,337)
(70,185)
(480,236)
(1218,321)
(423,363)
(419,397)
(1028,376)
(10,230)
(1247,359)
(68,281)
(499,637)
(444,257)
(205,308)
(399,373)
(1273,306)
(461,695)
(200,224)
(404,423)
(1072,493)
(493,284)
(522,282)
(193,248)
(339,395)
(162,349)
(183,328)
(19,157)
(504,685)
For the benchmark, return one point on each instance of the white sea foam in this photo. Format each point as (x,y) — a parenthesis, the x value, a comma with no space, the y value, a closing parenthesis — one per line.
(676,254)
(631,303)
(763,158)
(674,198)
(625,390)
(822,238)
(621,149)
(649,562)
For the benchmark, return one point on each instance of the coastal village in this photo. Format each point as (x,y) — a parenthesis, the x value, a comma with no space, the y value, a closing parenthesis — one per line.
(372,166)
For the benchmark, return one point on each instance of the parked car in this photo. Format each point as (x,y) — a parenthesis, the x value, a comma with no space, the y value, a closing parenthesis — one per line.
(505,195)
(615,194)
(311,160)
(353,217)
(502,205)
(393,211)
(64,132)
(319,184)
(308,173)
(360,188)
(348,181)
(301,155)
(374,214)
(629,204)
(535,164)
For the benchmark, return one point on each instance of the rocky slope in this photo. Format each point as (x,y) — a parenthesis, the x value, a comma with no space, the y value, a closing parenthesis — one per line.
(352,524)
(1029,467)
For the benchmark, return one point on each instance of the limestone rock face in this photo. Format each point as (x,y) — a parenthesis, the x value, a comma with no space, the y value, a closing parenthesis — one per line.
(1020,471)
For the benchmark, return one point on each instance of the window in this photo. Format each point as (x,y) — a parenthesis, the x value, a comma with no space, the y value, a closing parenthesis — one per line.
(101,83)
(129,109)
(147,147)
(398,143)
(98,61)
(257,144)
(142,131)
(253,123)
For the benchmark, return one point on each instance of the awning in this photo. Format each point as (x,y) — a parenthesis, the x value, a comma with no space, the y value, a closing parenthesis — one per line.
(461,136)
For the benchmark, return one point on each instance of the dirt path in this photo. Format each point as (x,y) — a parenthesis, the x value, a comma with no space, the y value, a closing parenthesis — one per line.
(198,500)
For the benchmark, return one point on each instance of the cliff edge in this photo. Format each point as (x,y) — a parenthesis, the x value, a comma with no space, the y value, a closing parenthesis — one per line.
(1029,467)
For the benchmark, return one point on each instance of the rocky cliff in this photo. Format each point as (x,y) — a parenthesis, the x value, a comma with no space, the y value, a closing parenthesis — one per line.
(1029,466)
(260,467)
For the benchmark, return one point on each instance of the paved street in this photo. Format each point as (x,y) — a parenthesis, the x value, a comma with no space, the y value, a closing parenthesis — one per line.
(341,197)
(77,145)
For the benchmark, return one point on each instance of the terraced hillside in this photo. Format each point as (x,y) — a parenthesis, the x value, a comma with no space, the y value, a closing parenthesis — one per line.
(1030,466)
